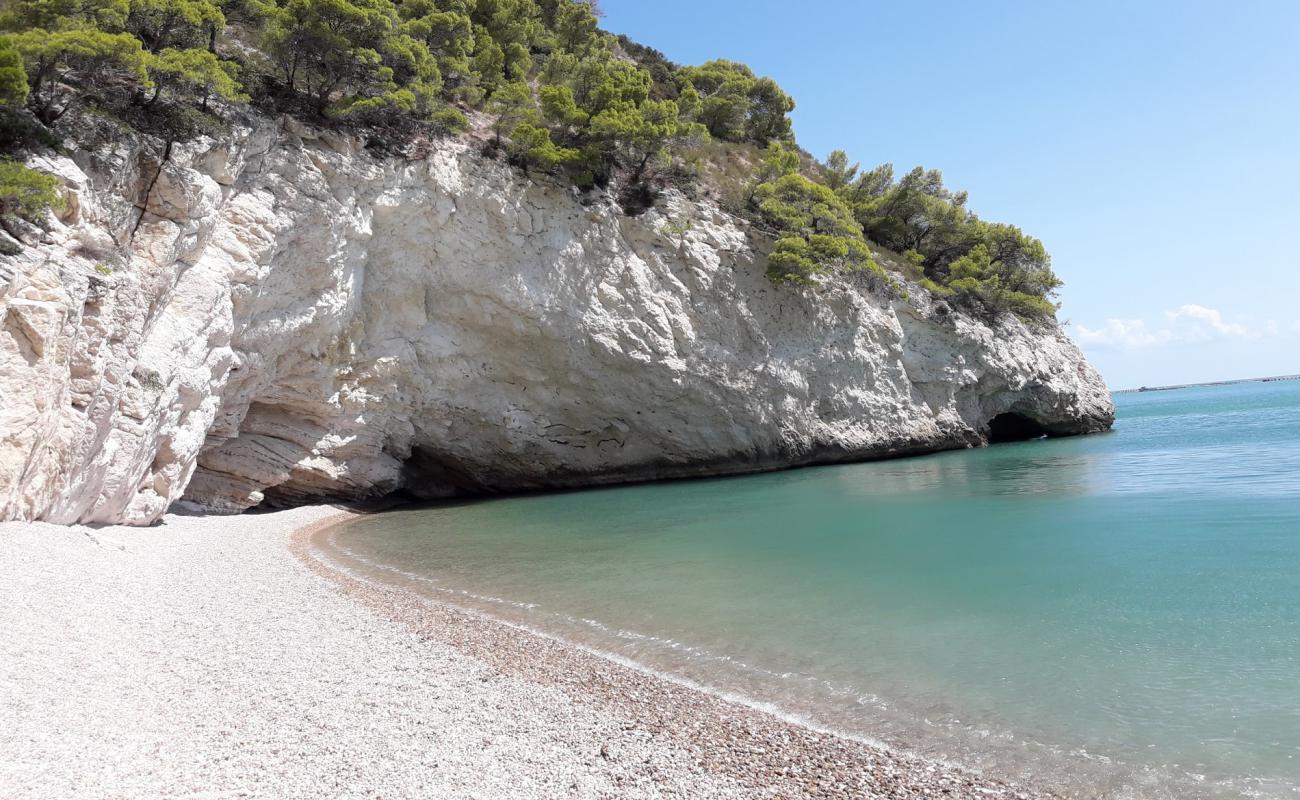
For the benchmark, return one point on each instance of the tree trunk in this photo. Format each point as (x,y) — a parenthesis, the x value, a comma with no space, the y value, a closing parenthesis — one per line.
(640,168)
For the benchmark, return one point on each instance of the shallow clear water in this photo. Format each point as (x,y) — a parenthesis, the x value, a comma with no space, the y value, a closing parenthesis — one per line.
(1115,614)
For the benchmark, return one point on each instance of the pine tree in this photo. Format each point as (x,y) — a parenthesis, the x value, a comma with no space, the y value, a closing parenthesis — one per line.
(195,72)
(13,78)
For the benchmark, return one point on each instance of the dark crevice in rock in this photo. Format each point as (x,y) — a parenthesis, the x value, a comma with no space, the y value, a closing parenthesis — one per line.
(429,474)
(144,202)
(1014,427)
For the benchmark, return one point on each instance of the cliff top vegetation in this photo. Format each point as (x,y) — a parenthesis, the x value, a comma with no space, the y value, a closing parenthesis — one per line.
(563,97)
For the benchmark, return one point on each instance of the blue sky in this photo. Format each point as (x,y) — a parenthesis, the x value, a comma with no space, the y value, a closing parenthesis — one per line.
(1154,147)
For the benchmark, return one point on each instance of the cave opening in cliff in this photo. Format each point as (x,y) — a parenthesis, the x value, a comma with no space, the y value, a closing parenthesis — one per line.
(1013,427)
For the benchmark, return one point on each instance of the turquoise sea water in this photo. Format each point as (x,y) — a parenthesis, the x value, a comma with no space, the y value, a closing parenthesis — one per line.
(1115,615)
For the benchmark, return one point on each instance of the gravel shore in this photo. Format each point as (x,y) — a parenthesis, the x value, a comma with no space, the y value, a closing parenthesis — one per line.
(216,657)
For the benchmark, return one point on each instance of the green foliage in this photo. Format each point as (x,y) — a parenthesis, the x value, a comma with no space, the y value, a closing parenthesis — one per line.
(996,285)
(663,73)
(510,106)
(163,24)
(777,161)
(677,229)
(196,72)
(632,134)
(375,108)
(489,63)
(817,231)
(505,33)
(413,67)
(26,193)
(509,22)
(54,59)
(914,265)
(447,120)
(531,145)
(561,96)
(594,83)
(723,87)
(109,53)
(791,260)
(736,105)
(768,110)
(916,213)
(690,103)
(13,77)
(324,47)
(836,172)
(795,203)
(984,266)
(105,15)
(600,106)
(250,13)
(447,33)
(574,27)
(377,61)
(372,61)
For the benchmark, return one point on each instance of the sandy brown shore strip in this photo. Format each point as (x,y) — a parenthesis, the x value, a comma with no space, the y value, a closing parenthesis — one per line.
(202,659)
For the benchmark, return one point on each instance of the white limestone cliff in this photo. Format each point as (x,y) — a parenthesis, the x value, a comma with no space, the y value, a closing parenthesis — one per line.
(282,317)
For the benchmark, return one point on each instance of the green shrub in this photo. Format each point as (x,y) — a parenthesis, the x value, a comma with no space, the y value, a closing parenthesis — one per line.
(447,121)
(677,229)
(986,267)
(791,261)
(816,229)
(996,286)
(26,193)
(196,73)
(103,59)
(13,76)
(738,106)
(531,146)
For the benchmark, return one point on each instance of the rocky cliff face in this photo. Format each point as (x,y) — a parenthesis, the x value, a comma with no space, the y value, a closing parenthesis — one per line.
(281,317)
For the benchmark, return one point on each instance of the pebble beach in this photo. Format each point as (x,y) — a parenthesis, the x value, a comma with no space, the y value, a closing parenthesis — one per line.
(221,657)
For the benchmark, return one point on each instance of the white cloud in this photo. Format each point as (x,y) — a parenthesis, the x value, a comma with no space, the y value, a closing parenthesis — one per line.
(1188,323)
(1126,334)
(1198,323)
(1295,326)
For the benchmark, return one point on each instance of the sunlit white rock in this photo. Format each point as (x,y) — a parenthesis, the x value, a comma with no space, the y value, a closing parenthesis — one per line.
(300,320)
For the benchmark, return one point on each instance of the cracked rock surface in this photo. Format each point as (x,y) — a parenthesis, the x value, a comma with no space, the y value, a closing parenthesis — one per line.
(281,317)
